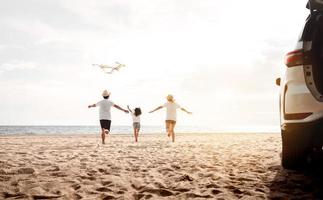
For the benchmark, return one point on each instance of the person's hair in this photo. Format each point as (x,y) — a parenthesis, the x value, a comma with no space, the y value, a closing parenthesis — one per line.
(106,97)
(137,112)
(170,98)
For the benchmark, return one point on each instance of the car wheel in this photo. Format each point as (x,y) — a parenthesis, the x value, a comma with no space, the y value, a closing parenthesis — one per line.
(294,149)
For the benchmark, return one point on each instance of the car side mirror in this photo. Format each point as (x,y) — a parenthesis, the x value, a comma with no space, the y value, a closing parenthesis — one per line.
(278,81)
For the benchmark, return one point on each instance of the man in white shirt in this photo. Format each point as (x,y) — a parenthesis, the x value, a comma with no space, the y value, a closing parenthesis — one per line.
(105,113)
(171,115)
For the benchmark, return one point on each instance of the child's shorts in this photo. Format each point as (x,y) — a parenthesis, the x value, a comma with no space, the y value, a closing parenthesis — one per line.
(136,125)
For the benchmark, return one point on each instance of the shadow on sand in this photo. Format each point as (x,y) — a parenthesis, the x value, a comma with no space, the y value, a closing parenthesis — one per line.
(306,183)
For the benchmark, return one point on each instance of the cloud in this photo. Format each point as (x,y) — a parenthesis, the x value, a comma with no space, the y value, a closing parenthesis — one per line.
(254,76)
(17,65)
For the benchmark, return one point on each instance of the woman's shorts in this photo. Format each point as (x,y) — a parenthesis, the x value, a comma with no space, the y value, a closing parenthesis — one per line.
(106,124)
(170,122)
(136,125)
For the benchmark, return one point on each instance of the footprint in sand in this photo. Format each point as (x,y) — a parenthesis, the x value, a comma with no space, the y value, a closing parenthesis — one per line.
(212,185)
(39,197)
(215,192)
(25,171)
(235,190)
(160,192)
(175,166)
(260,190)
(21,153)
(165,171)
(148,196)
(77,196)
(137,185)
(59,174)
(103,171)
(84,159)
(159,185)
(40,158)
(138,196)
(76,186)
(182,190)
(91,178)
(185,177)
(106,183)
(103,189)
(7,195)
(120,192)
(193,195)
(108,197)
(54,168)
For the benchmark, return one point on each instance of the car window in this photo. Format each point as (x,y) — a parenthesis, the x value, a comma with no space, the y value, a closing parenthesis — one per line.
(307,32)
(318,36)
(300,36)
(317,52)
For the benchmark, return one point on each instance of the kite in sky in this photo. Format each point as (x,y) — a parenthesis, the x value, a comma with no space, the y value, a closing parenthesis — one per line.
(110,69)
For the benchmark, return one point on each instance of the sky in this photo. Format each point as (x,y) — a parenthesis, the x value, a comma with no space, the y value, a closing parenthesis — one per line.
(219,59)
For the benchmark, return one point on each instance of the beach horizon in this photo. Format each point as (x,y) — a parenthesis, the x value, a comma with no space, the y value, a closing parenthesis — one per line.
(122,129)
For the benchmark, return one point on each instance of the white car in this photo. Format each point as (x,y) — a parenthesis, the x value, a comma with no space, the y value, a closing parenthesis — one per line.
(301,95)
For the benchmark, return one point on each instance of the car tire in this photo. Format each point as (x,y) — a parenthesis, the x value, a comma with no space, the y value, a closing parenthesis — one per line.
(294,149)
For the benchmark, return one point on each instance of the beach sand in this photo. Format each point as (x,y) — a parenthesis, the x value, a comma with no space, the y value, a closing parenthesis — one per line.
(196,166)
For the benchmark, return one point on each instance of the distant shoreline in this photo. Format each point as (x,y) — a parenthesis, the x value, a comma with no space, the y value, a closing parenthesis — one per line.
(130,134)
(119,130)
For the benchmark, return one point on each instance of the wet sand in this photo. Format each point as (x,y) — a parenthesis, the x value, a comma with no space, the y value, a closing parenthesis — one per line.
(196,166)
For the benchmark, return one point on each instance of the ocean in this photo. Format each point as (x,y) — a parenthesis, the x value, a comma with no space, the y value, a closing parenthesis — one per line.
(48,130)
(40,130)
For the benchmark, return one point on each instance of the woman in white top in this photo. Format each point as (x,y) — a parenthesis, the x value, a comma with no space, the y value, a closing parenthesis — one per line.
(136,121)
(171,115)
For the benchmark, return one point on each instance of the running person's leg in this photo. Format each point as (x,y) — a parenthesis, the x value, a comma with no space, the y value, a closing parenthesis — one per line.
(171,130)
(136,134)
(136,128)
(105,126)
(167,127)
(103,135)
(134,131)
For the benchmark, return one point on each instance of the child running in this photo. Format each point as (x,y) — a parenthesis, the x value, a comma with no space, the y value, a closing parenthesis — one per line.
(136,121)
(171,115)
(105,113)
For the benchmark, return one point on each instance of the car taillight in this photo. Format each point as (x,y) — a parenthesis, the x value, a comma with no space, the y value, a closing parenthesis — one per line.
(295,58)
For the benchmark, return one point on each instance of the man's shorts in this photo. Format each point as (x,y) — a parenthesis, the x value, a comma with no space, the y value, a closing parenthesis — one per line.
(136,125)
(106,124)
(170,122)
